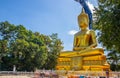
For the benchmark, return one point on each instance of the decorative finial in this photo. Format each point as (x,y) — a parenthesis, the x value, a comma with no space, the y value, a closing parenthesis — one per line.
(83,11)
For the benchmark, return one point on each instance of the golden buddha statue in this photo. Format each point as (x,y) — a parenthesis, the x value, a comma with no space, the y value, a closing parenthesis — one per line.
(84,55)
(84,39)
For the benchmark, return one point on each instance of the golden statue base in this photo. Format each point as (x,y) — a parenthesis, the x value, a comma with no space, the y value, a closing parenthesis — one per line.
(90,59)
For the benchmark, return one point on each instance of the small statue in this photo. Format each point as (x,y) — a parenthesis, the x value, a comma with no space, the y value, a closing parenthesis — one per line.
(85,38)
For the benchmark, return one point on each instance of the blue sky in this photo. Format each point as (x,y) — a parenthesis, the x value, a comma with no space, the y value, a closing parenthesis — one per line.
(44,16)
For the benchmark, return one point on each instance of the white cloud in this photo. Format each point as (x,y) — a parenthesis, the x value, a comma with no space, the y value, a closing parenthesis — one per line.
(72,32)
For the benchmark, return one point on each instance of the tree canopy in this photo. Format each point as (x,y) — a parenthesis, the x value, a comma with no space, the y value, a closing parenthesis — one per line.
(27,50)
(108,23)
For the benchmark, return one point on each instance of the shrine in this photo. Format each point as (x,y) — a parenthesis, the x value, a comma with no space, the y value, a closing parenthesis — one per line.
(85,55)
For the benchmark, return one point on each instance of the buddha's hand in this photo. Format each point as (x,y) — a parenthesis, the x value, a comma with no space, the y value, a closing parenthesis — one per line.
(88,47)
(79,48)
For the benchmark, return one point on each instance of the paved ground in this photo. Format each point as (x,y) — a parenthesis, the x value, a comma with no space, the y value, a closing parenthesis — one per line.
(15,77)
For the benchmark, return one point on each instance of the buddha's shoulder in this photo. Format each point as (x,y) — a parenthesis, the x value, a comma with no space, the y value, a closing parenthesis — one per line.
(91,31)
(88,32)
(78,33)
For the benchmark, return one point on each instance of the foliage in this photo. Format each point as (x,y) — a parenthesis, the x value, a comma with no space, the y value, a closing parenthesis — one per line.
(113,57)
(108,23)
(25,49)
(54,50)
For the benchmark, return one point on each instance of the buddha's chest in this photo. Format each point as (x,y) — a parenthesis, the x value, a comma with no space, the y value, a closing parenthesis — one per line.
(84,36)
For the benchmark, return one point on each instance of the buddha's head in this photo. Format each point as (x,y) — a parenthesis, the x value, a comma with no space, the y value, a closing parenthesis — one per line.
(83,20)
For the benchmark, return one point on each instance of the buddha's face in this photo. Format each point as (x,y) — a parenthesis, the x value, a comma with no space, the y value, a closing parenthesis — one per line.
(83,23)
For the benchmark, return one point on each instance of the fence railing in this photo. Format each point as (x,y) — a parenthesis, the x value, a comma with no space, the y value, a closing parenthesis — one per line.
(90,73)
(15,73)
(63,73)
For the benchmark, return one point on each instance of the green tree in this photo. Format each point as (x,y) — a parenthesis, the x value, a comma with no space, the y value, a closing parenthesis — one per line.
(108,23)
(27,50)
(54,49)
(21,47)
(6,35)
(113,58)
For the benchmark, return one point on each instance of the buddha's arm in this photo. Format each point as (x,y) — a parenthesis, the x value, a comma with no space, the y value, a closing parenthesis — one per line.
(75,44)
(94,41)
